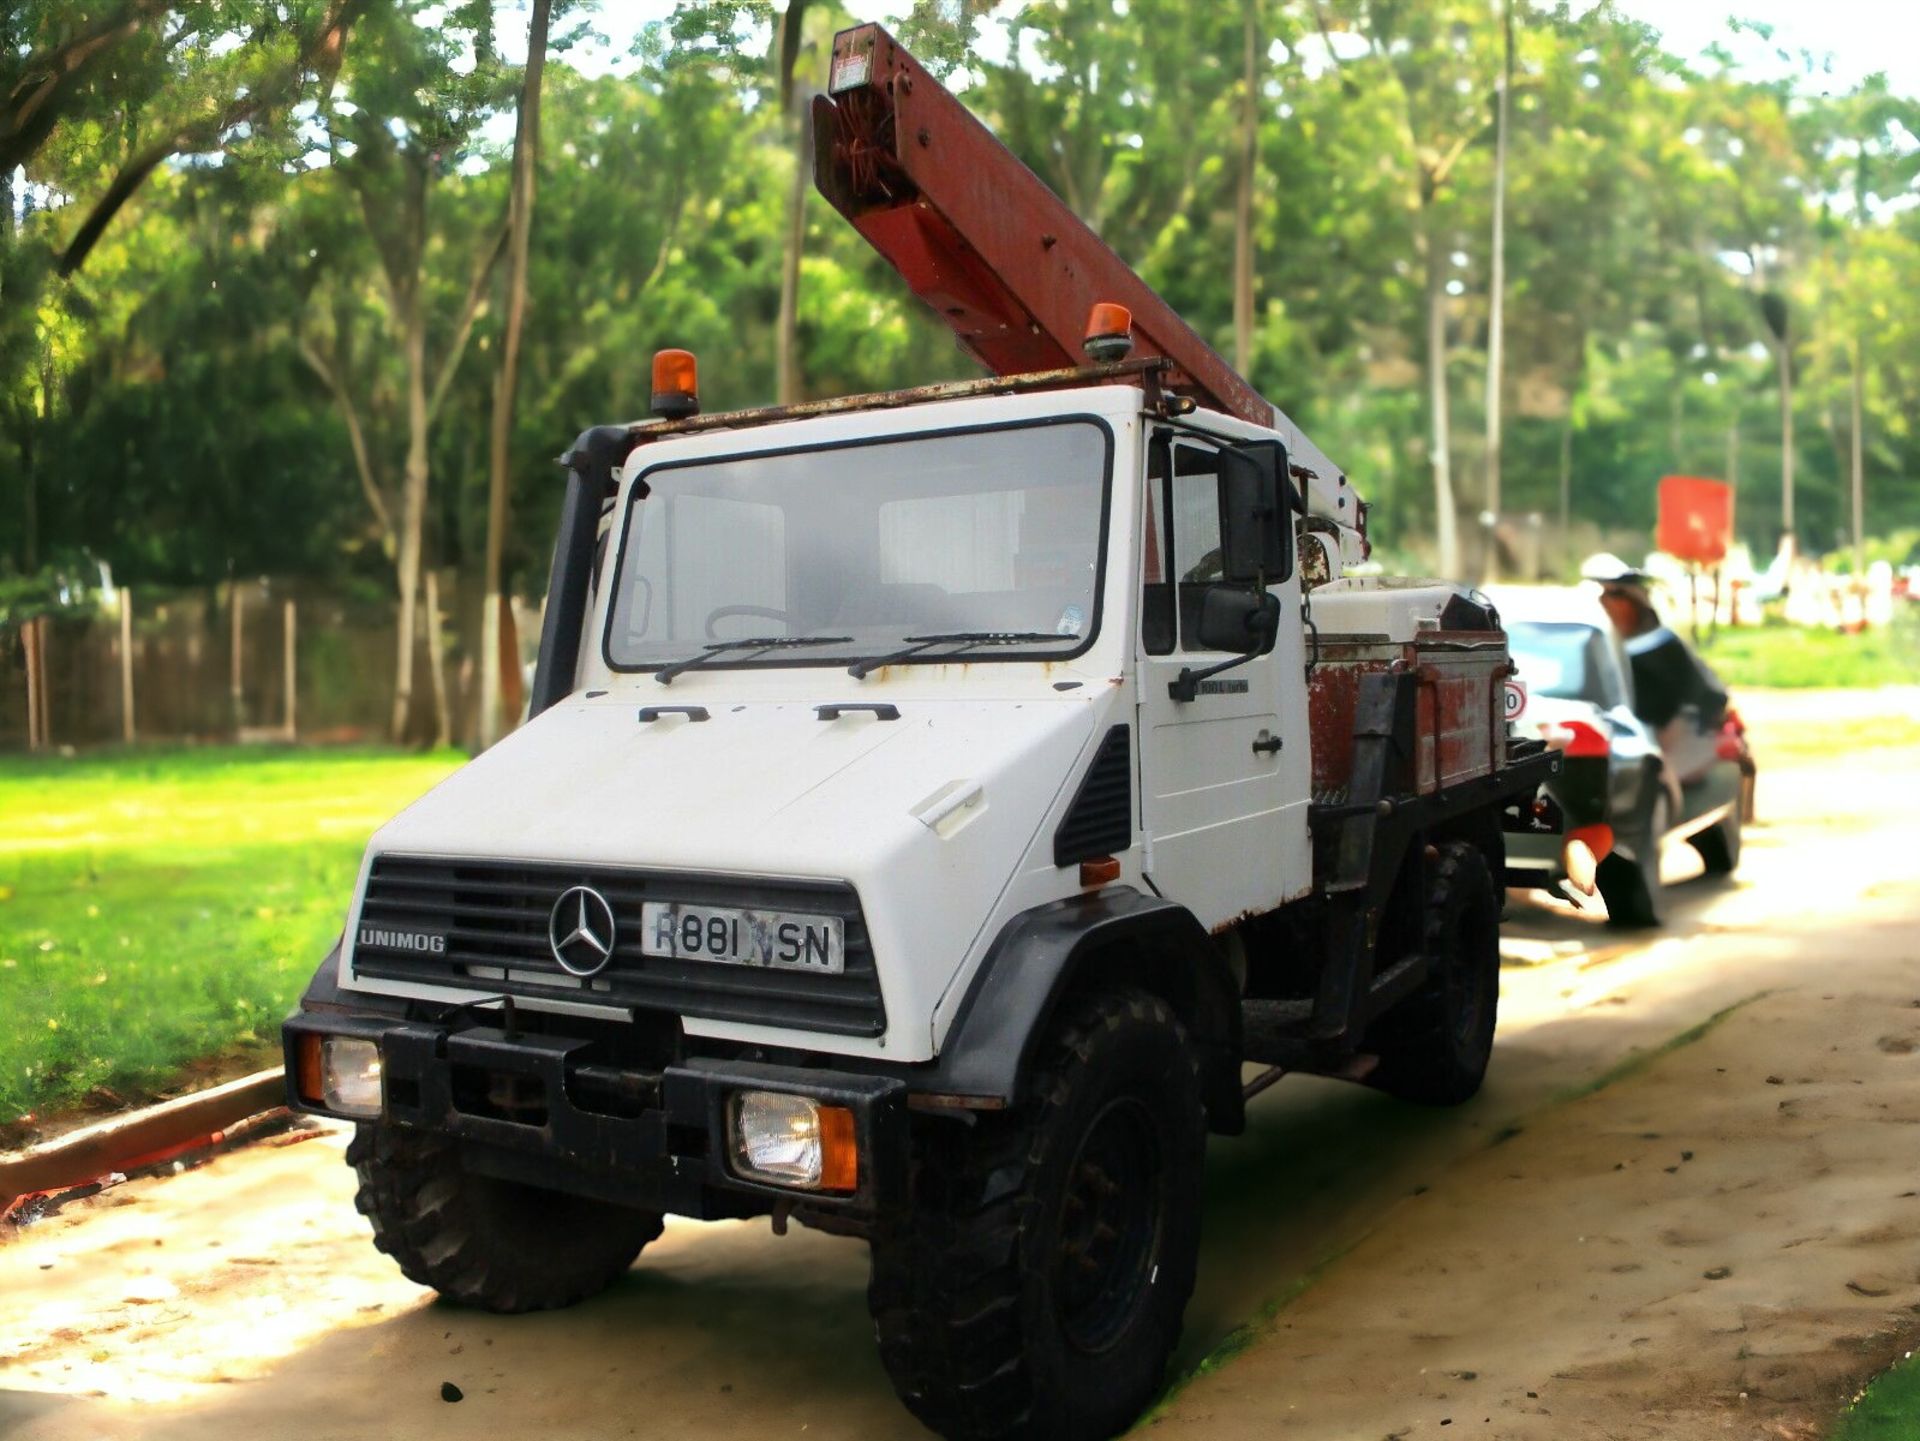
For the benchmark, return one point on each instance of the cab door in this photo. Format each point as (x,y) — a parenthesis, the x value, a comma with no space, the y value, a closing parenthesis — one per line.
(1225,775)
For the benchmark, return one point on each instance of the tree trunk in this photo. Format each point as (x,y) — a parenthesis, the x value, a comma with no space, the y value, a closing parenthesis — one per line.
(1786,437)
(1243,200)
(1677,425)
(29,500)
(526,150)
(786,377)
(794,110)
(437,658)
(1859,475)
(1566,492)
(413,506)
(1445,521)
(1496,306)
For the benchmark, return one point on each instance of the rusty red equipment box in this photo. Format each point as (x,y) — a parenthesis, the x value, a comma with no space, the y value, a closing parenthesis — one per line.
(1460,728)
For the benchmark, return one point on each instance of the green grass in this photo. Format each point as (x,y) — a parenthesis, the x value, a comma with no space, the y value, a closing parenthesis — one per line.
(1795,659)
(1888,1410)
(158,908)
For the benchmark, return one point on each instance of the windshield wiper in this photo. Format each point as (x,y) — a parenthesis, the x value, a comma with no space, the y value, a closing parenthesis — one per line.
(759,645)
(861,669)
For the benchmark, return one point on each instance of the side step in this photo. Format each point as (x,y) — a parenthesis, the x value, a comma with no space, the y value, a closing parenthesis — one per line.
(1278,1032)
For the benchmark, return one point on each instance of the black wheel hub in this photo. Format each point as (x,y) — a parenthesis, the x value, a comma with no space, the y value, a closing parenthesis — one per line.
(1110,1222)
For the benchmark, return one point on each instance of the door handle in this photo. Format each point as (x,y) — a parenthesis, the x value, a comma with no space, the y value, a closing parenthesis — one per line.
(1267,744)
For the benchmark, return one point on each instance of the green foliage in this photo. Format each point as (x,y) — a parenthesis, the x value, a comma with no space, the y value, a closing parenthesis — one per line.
(1789,657)
(160,408)
(161,906)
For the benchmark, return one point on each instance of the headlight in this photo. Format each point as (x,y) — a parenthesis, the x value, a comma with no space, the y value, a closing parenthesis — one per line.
(796,1141)
(341,1074)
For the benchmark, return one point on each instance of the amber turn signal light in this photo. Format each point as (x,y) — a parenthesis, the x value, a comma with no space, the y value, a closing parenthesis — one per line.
(839,1150)
(1109,332)
(676,384)
(307,1078)
(1101,871)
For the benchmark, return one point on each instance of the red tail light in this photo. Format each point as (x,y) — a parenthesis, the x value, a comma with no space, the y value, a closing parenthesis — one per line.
(1578,740)
(1580,857)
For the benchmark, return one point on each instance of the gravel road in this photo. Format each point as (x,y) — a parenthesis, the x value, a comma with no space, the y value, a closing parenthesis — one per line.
(1646,1226)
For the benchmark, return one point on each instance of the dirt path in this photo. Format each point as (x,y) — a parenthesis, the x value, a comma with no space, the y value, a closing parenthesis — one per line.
(1536,1240)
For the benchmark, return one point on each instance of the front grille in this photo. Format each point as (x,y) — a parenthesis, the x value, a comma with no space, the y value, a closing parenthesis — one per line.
(490,921)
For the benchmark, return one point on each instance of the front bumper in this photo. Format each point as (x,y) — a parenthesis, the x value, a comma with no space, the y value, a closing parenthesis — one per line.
(534,1108)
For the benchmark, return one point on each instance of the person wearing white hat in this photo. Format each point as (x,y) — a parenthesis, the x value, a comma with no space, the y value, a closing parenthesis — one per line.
(1674,691)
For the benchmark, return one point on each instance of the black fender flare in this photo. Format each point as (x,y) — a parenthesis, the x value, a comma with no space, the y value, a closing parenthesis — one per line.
(323,993)
(1113,937)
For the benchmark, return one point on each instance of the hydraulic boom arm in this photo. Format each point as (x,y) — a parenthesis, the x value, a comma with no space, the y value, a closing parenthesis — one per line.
(1001,258)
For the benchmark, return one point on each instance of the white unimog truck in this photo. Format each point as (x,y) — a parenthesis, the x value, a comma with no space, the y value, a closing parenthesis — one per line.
(932,803)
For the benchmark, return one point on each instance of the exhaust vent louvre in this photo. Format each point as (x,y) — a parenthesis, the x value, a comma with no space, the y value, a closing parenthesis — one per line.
(1100,820)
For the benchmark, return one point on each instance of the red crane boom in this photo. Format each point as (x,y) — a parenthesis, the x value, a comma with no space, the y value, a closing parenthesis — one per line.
(979,237)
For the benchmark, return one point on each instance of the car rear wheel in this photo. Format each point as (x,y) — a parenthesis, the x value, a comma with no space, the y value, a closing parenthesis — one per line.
(1630,884)
(1719,845)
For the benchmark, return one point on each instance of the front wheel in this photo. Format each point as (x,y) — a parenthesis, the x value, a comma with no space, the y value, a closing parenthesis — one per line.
(482,1241)
(1036,1284)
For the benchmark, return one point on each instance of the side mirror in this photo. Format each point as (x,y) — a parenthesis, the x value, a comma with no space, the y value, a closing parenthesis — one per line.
(1242,621)
(1256,513)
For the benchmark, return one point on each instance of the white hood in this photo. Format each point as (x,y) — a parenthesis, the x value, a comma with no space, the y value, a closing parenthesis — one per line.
(945,802)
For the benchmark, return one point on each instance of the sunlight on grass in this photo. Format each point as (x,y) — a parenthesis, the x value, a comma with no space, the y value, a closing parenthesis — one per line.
(1888,1410)
(1791,658)
(157,907)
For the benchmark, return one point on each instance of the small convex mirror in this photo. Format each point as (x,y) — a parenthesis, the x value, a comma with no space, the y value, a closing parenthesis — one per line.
(1256,534)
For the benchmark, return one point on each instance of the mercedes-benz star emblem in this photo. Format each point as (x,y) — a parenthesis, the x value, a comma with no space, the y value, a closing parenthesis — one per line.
(581,931)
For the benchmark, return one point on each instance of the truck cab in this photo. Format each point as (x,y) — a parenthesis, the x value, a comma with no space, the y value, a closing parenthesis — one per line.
(914,657)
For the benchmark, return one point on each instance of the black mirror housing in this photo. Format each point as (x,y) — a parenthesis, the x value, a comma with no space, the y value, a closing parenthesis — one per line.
(1242,621)
(1256,513)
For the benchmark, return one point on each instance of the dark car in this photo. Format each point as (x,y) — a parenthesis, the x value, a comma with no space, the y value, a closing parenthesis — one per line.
(1580,696)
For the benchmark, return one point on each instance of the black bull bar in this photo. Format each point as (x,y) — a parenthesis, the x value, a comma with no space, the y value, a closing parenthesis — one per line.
(533,1108)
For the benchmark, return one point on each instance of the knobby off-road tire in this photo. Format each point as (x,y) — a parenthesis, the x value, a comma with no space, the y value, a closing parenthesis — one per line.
(482,1241)
(1036,1286)
(1630,885)
(1434,1046)
(1719,845)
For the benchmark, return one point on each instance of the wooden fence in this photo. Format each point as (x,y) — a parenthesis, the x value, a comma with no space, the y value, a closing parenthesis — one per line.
(256,660)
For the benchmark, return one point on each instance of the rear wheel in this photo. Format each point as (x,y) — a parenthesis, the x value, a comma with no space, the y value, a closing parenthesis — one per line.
(482,1241)
(1035,1285)
(1435,1045)
(1630,885)
(1719,845)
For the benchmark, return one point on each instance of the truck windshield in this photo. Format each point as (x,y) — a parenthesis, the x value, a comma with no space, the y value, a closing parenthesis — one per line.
(867,544)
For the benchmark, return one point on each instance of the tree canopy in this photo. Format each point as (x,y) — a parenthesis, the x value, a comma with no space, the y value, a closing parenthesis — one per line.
(249,304)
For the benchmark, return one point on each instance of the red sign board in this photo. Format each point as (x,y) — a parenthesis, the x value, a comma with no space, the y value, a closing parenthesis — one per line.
(1696,519)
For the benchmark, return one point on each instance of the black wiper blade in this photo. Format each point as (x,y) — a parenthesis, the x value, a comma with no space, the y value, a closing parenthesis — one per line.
(758,644)
(861,669)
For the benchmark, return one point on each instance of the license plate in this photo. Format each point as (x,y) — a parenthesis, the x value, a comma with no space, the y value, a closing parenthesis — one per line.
(777,940)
